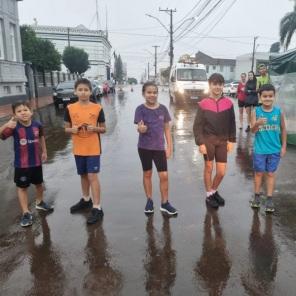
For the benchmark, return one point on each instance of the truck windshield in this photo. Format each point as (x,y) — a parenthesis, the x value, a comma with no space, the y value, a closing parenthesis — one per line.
(191,75)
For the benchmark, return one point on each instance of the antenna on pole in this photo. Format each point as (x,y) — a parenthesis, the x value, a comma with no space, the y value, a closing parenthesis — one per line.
(97,15)
(106,22)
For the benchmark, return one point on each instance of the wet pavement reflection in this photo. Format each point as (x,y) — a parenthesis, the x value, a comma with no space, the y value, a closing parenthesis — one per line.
(234,251)
(213,268)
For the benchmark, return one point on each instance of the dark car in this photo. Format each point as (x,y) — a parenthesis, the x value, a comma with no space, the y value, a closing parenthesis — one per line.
(64,93)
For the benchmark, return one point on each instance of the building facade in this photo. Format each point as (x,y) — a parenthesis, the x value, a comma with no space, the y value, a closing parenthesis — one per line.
(93,42)
(12,70)
(244,62)
(226,67)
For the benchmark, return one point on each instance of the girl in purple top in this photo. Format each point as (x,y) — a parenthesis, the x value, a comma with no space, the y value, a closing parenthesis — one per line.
(152,121)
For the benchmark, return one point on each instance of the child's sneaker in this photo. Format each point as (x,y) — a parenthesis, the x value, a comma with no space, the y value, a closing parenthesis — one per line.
(167,208)
(219,199)
(95,215)
(43,206)
(269,206)
(27,219)
(212,202)
(81,205)
(149,209)
(255,202)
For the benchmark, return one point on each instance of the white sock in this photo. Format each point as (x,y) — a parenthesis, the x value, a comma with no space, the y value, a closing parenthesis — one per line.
(213,191)
(86,198)
(97,207)
(209,193)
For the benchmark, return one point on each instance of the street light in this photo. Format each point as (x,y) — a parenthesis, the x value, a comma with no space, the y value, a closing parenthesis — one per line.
(154,17)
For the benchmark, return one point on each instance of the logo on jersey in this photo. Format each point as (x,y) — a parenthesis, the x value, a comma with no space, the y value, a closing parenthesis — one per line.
(161,117)
(274,118)
(23,142)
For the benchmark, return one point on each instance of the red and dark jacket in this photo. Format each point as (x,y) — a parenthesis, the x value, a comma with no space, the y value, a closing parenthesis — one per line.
(214,118)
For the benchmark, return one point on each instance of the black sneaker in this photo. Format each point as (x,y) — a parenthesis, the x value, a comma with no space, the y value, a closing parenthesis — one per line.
(43,206)
(149,209)
(81,205)
(27,219)
(168,208)
(95,215)
(248,129)
(211,202)
(219,199)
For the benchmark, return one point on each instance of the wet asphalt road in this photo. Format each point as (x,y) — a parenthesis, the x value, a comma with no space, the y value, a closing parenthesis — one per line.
(234,251)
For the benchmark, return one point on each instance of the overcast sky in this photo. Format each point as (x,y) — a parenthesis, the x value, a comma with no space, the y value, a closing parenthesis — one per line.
(226,32)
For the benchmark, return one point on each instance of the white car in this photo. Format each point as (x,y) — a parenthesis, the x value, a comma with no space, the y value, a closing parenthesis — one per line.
(233,88)
(226,89)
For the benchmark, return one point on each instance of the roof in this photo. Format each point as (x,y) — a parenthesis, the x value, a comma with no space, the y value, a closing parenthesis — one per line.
(208,60)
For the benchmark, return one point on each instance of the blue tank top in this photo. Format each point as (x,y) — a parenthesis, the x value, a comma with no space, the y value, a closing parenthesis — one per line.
(268,137)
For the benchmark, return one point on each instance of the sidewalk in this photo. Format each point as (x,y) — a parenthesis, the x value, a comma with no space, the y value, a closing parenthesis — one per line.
(5,110)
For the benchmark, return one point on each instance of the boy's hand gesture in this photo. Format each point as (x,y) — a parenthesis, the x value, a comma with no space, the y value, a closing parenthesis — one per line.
(11,123)
(203,149)
(75,129)
(142,128)
(91,128)
(261,121)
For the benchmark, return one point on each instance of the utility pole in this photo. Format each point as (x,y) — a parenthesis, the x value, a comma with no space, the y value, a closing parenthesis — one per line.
(253,55)
(148,71)
(155,61)
(171,31)
(68,35)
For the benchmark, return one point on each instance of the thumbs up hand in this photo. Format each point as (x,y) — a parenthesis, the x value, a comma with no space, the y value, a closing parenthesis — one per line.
(142,128)
(11,123)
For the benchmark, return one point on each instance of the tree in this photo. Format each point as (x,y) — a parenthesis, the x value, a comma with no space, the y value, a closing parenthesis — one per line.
(118,75)
(41,53)
(288,27)
(75,59)
(275,47)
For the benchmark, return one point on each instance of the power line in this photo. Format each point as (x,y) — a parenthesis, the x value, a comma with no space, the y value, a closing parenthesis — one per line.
(219,2)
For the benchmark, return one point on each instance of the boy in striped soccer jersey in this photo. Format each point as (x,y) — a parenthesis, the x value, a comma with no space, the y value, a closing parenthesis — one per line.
(28,139)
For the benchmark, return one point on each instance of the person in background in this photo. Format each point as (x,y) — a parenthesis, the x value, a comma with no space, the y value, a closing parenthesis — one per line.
(241,97)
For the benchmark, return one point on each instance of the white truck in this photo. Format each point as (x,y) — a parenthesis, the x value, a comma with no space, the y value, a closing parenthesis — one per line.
(188,82)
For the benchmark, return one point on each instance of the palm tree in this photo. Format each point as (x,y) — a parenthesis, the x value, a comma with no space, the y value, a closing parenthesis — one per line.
(288,27)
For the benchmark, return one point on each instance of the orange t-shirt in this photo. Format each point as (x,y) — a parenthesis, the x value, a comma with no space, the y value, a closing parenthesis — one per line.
(85,143)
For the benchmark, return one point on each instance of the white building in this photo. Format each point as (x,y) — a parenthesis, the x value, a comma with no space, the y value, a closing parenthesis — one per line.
(93,42)
(244,62)
(12,71)
(226,67)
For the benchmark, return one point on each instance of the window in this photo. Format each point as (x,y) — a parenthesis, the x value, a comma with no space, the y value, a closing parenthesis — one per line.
(2,55)
(207,68)
(12,35)
(19,89)
(221,68)
(191,75)
(214,67)
(231,69)
(7,89)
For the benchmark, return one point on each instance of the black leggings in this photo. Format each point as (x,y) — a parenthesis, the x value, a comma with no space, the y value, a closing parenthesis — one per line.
(157,156)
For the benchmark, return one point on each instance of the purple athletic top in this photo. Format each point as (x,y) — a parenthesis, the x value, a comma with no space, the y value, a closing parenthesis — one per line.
(155,120)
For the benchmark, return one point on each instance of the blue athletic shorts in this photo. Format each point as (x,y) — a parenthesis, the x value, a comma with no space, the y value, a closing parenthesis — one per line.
(87,164)
(266,162)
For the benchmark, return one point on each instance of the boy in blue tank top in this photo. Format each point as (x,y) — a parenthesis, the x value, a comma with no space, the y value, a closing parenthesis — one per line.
(268,124)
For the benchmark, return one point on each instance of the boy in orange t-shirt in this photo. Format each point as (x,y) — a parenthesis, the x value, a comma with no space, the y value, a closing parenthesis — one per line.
(86,121)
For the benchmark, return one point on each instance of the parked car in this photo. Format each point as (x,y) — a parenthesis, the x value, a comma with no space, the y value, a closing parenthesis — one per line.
(233,88)
(226,89)
(96,90)
(63,94)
